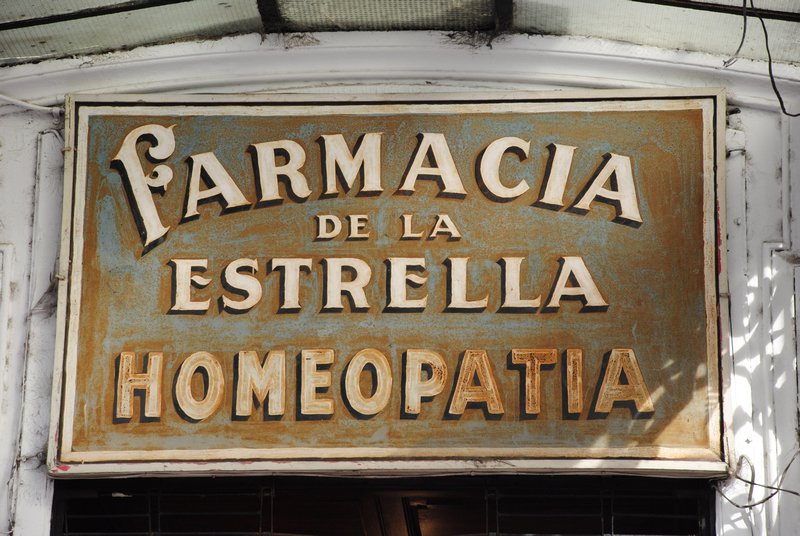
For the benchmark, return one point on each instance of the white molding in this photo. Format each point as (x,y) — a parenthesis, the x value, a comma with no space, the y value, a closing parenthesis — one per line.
(8,391)
(338,61)
(404,468)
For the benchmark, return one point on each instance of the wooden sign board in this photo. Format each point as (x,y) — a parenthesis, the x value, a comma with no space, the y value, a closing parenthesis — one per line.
(522,282)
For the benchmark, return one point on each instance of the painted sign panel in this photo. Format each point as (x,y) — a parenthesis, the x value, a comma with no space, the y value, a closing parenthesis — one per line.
(390,283)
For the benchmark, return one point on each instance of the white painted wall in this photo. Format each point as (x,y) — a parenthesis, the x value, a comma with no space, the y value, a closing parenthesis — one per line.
(764,236)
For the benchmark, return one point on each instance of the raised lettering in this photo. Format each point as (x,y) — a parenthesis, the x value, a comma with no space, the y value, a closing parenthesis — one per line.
(623,198)
(336,286)
(312,379)
(511,286)
(291,280)
(265,381)
(574,267)
(269,171)
(184,280)
(142,185)
(533,361)
(367,158)
(129,381)
(476,366)
(416,388)
(490,167)
(236,277)
(398,280)
(612,389)
(444,167)
(556,179)
(194,408)
(205,167)
(458,287)
(574,374)
(368,405)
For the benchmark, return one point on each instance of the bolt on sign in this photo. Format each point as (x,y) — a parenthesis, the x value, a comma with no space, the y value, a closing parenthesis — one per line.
(515,282)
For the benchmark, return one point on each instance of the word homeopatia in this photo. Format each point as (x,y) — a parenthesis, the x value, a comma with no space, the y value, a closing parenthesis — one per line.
(258,382)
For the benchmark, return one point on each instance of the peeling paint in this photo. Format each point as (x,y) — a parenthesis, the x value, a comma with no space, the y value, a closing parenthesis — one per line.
(299,40)
(475,39)
(553,61)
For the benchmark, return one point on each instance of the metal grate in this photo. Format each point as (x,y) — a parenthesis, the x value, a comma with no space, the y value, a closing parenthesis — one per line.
(614,506)
(333,15)
(417,507)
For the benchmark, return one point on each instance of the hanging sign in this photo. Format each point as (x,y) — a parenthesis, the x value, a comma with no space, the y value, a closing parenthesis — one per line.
(392,283)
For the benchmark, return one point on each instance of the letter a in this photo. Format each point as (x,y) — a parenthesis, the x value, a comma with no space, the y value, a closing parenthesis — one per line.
(623,360)
(574,267)
(625,194)
(445,167)
(476,366)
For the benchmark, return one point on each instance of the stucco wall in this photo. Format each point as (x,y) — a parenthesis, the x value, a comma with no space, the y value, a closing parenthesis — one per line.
(759,357)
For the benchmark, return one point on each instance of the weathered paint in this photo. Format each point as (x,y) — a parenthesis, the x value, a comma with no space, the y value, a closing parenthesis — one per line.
(759,381)
(656,277)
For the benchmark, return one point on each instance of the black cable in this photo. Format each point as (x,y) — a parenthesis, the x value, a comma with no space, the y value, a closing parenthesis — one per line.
(87,13)
(717,7)
(769,67)
(766,486)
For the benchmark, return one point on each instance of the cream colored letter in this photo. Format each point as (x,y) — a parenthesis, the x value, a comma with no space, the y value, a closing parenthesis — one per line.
(444,225)
(269,170)
(574,266)
(267,380)
(184,280)
(490,167)
(312,378)
(367,157)
(244,282)
(445,166)
(328,226)
(458,287)
(383,382)
(128,382)
(141,184)
(625,194)
(416,388)
(291,280)
(408,233)
(399,276)
(511,296)
(206,165)
(336,287)
(205,407)
(556,180)
(476,365)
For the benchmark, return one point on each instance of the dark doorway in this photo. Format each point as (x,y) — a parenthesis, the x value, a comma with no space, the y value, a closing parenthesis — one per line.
(284,506)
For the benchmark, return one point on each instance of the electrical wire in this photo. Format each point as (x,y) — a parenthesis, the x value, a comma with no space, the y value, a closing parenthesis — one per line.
(769,67)
(735,56)
(766,486)
(56,111)
(778,488)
